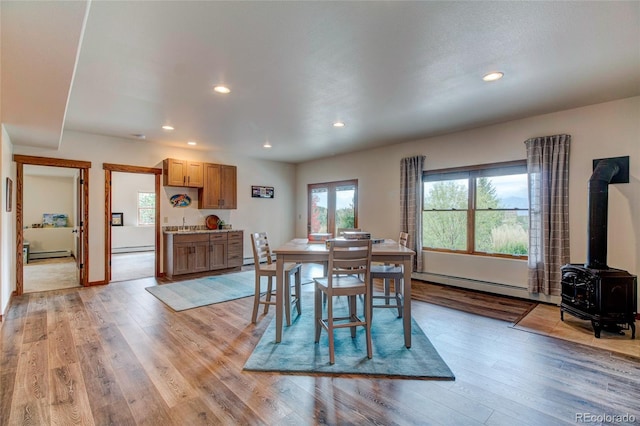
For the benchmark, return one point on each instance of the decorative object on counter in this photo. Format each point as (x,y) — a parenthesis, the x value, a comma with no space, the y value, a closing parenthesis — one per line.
(221,224)
(117,219)
(212,221)
(9,192)
(262,191)
(180,200)
(54,220)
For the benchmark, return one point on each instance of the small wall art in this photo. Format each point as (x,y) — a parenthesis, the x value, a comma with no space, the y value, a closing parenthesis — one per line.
(180,200)
(54,220)
(117,219)
(262,191)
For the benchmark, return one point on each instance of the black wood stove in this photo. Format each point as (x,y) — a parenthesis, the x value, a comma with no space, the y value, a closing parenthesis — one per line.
(593,291)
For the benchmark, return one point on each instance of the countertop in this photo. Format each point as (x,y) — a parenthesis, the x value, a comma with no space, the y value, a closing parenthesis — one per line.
(199,231)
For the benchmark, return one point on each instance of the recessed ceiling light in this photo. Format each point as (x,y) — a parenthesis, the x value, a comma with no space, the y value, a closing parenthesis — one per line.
(493,76)
(192,143)
(338,124)
(267,145)
(222,89)
(167,127)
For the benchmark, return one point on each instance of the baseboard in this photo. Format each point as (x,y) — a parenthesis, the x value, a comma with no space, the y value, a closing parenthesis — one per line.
(485,286)
(115,250)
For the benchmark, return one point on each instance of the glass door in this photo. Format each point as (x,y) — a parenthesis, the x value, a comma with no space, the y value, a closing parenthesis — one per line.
(332,205)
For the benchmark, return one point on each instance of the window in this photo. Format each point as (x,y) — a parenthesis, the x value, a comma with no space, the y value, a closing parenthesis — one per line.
(477,210)
(332,205)
(146,208)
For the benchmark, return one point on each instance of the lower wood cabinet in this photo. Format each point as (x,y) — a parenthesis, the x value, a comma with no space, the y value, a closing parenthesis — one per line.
(202,252)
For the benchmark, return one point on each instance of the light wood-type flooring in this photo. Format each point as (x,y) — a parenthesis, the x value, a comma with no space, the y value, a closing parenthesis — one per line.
(117,355)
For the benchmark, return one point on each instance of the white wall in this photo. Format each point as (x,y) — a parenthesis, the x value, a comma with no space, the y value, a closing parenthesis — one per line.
(7,225)
(274,216)
(599,131)
(124,199)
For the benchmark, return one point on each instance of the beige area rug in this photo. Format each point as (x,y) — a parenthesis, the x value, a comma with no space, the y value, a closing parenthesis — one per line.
(545,319)
(50,274)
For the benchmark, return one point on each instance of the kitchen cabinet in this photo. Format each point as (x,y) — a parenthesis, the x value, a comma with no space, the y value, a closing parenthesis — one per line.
(234,248)
(218,251)
(192,252)
(183,173)
(186,253)
(219,190)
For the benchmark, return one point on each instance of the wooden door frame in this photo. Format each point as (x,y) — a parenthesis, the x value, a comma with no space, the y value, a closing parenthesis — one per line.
(108,170)
(21,161)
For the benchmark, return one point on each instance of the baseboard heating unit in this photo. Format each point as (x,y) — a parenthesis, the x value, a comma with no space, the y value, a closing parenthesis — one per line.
(49,254)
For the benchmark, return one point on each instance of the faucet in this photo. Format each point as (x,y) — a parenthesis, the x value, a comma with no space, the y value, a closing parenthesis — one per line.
(183,224)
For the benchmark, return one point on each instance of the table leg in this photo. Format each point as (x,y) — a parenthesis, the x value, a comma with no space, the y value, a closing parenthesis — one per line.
(408,267)
(279,296)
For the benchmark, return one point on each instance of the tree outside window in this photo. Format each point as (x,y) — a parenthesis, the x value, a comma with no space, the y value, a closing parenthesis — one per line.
(479,210)
(146,208)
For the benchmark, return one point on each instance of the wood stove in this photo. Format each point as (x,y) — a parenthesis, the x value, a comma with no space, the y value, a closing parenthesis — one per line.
(593,291)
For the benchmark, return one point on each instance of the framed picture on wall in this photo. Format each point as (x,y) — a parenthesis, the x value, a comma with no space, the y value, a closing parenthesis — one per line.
(117,219)
(9,193)
(262,191)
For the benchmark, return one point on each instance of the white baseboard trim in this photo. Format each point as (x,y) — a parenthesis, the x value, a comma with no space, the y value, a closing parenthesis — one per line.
(486,286)
(132,249)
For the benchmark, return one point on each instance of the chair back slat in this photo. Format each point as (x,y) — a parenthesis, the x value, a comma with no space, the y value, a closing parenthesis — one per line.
(349,257)
(261,249)
(403,240)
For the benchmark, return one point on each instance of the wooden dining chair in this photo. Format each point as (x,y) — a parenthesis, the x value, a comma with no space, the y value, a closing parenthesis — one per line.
(345,257)
(390,273)
(265,267)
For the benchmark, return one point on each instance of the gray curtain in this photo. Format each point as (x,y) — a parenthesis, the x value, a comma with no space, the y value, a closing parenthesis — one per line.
(548,170)
(411,204)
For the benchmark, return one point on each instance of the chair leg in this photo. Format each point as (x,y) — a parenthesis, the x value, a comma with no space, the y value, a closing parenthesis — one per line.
(256,300)
(318,313)
(399,299)
(332,357)
(352,314)
(287,298)
(268,295)
(368,314)
(299,290)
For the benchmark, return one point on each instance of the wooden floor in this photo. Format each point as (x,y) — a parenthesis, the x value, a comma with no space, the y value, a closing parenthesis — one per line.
(117,355)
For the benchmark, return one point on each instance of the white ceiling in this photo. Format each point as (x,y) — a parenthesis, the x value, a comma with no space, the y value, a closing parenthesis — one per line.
(392,71)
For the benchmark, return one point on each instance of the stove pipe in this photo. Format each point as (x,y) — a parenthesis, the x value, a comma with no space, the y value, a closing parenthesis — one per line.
(598,208)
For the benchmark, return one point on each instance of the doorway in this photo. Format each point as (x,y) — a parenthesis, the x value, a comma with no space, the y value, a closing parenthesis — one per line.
(64,231)
(126,257)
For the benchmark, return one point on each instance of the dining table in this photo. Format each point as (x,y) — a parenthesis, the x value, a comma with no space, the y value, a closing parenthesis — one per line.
(300,250)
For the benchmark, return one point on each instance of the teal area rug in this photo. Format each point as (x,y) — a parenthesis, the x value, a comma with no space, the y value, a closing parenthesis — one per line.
(204,291)
(298,354)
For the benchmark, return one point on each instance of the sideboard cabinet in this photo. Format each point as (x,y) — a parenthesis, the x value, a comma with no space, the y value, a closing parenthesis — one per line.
(199,252)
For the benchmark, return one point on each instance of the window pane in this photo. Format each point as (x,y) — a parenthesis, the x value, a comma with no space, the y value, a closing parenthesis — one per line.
(146,200)
(445,229)
(503,232)
(446,195)
(146,208)
(504,192)
(319,211)
(146,216)
(345,210)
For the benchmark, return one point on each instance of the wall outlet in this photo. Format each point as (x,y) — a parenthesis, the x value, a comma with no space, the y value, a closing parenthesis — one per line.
(166,219)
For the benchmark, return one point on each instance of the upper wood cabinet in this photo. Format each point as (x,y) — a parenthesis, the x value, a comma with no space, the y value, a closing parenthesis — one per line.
(183,173)
(220,187)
